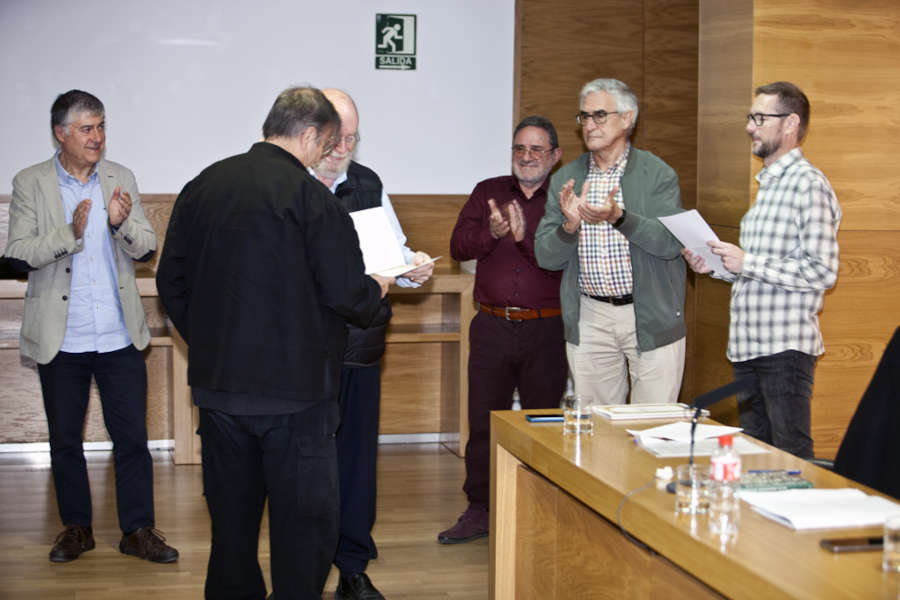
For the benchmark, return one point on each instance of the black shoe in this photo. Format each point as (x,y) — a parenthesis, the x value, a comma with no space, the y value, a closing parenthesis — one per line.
(71,542)
(356,586)
(149,544)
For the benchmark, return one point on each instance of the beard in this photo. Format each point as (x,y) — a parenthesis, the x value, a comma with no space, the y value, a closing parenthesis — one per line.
(332,167)
(529,174)
(767,148)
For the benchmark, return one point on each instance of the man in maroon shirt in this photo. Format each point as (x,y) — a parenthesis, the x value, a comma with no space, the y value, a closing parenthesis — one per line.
(516,339)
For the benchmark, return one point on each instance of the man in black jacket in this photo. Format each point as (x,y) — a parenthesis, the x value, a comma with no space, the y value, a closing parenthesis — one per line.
(358,188)
(259,273)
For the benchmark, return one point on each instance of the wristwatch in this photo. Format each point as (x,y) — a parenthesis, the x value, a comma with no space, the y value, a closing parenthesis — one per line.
(620,220)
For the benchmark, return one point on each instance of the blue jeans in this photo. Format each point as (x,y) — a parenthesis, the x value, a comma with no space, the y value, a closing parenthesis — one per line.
(777,411)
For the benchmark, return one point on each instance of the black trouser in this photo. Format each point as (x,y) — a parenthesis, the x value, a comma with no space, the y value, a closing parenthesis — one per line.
(122,380)
(291,460)
(357,446)
(777,411)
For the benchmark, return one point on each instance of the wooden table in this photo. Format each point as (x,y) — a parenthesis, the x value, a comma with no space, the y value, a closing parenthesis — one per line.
(556,501)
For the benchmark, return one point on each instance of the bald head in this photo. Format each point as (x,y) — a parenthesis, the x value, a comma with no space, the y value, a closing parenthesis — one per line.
(336,164)
(345,106)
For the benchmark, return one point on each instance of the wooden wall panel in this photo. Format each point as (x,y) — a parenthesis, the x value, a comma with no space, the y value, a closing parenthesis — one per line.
(723,149)
(860,315)
(669,100)
(562,46)
(669,119)
(844,55)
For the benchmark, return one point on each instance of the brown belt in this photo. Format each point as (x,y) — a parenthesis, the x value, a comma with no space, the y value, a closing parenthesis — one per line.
(514,313)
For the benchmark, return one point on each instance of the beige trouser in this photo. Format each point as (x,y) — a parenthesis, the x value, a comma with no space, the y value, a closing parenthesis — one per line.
(608,357)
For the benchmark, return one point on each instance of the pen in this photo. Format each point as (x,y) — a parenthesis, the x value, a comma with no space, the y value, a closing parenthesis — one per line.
(786,472)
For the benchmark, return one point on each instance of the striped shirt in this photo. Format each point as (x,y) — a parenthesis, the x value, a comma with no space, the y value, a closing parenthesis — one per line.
(603,252)
(789,237)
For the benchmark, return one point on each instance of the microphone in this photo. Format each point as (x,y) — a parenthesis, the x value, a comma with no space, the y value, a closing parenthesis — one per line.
(714,396)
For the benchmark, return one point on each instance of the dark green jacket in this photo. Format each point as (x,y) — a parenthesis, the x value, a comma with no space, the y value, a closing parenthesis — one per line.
(650,190)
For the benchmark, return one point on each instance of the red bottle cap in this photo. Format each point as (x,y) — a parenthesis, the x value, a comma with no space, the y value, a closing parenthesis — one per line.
(726,440)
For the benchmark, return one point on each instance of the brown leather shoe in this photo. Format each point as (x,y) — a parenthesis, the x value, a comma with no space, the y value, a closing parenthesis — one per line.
(149,544)
(71,542)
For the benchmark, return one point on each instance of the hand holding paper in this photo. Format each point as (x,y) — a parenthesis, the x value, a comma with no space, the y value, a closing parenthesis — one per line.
(381,250)
(424,268)
(694,233)
(732,256)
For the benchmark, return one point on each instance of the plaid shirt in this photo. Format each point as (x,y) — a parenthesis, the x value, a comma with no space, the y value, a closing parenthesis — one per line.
(789,237)
(603,252)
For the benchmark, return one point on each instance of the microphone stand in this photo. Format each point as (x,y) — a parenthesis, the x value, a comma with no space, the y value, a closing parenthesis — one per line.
(716,395)
(694,420)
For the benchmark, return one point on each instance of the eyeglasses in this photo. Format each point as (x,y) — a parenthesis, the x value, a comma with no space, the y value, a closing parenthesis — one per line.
(599,116)
(329,145)
(350,140)
(522,150)
(760,118)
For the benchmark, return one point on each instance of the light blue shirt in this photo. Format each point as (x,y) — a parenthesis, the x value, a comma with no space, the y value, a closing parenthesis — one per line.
(408,255)
(95,322)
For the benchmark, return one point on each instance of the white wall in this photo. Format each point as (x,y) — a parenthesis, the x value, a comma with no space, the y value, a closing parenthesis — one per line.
(187,83)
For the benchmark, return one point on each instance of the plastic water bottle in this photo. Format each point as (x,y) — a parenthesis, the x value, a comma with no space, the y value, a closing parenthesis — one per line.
(725,485)
(516,400)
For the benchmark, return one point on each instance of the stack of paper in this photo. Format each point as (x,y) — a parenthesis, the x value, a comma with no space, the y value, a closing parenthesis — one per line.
(635,412)
(822,508)
(674,440)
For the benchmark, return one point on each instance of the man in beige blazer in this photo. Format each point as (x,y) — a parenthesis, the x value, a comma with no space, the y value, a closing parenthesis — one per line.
(76,226)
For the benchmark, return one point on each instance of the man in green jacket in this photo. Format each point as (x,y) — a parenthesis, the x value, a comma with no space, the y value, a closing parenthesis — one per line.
(622,291)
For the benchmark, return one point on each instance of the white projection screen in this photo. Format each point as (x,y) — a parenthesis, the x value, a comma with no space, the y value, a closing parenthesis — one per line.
(186,83)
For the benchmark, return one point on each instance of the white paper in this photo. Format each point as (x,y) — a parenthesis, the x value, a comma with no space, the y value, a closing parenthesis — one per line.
(821,508)
(628,412)
(681,431)
(380,248)
(669,449)
(693,233)
(674,440)
(403,269)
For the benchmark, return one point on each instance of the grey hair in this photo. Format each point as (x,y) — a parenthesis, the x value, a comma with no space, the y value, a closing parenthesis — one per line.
(298,108)
(626,100)
(73,102)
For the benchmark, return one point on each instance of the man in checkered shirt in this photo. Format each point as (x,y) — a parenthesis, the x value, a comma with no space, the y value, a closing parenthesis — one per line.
(788,257)
(622,289)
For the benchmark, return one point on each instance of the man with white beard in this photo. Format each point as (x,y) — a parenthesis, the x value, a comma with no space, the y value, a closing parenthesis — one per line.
(357,188)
